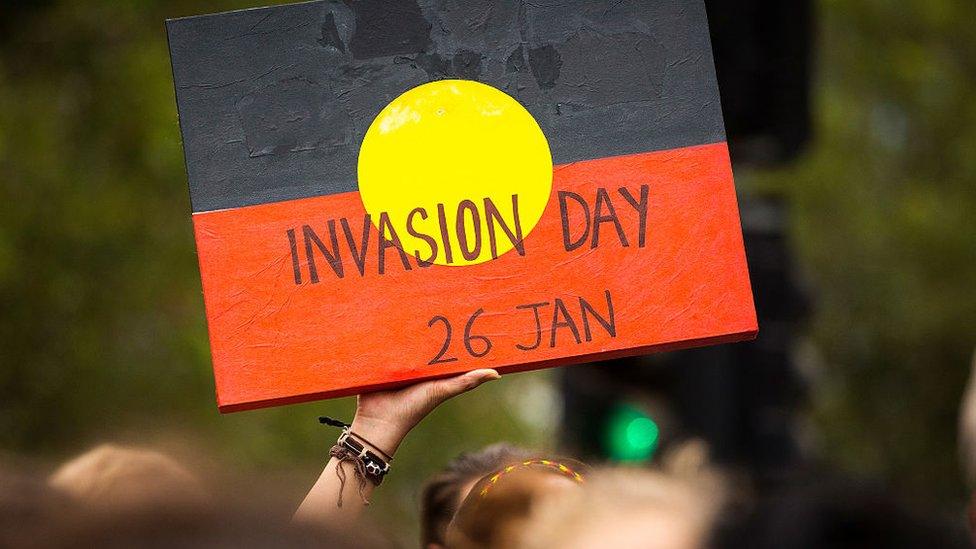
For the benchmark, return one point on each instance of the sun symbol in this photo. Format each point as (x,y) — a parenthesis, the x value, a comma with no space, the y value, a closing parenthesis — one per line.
(443,147)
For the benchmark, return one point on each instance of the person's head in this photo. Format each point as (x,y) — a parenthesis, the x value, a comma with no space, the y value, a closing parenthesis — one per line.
(110,478)
(114,497)
(443,493)
(628,508)
(498,508)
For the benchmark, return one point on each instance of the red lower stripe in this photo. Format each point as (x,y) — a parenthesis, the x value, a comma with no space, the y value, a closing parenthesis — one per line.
(275,341)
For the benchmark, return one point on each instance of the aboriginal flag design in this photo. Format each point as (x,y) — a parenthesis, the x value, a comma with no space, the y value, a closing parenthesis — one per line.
(392,190)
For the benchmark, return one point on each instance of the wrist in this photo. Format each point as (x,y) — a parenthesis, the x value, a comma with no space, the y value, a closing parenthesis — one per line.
(383,434)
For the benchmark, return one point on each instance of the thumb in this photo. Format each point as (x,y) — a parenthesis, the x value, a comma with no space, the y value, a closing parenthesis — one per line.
(453,386)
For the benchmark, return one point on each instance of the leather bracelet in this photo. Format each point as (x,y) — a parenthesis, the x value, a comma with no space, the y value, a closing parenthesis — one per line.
(375,467)
(363,440)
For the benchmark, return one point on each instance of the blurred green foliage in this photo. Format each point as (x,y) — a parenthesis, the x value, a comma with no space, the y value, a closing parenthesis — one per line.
(884,211)
(102,330)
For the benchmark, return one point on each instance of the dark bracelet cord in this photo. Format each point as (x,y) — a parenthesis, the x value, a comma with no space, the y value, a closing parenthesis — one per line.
(326,420)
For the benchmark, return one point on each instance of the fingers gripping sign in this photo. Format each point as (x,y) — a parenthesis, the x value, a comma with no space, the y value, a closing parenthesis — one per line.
(389,415)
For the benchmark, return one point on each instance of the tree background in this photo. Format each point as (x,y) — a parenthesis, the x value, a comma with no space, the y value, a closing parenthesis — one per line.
(102,331)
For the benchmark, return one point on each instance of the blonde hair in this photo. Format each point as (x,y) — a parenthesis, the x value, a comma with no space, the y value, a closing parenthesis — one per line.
(112,478)
(684,491)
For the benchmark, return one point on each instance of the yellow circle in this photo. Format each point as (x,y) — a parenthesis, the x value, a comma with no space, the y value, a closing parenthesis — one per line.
(455,147)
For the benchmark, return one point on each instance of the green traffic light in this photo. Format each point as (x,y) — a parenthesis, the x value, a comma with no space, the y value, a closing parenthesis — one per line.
(631,435)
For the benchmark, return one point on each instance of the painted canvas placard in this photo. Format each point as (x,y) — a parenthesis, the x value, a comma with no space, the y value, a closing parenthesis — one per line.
(391,190)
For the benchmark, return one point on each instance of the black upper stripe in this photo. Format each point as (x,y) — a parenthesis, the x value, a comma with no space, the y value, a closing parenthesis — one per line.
(274,102)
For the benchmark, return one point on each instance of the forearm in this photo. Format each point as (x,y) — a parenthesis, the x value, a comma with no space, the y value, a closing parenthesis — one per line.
(321,504)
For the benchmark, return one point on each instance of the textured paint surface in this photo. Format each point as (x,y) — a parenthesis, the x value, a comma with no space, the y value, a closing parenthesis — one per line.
(275,342)
(274,102)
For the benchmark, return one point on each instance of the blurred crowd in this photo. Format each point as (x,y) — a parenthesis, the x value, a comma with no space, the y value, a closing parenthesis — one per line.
(500,496)
(114,496)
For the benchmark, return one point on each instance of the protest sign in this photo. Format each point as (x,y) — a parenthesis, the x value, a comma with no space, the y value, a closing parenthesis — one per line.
(386,191)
